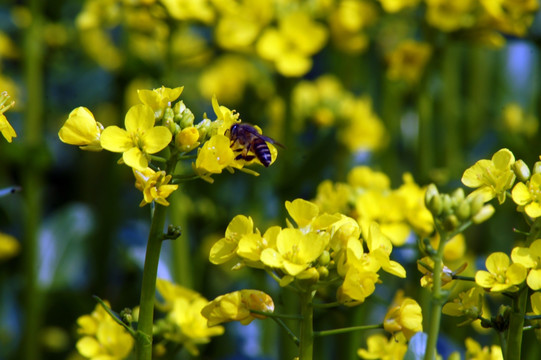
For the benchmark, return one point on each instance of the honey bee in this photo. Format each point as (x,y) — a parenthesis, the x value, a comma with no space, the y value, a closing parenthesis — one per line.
(250,139)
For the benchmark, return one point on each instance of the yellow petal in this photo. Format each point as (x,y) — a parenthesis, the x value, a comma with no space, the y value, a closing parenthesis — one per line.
(80,129)
(156,139)
(135,158)
(139,118)
(534,279)
(116,139)
(520,194)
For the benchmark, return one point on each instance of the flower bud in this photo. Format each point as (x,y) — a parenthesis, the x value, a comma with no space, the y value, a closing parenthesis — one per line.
(431,191)
(183,116)
(203,127)
(537,167)
(323,272)
(435,205)
(447,204)
(521,170)
(484,214)
(463,210)
(324,258)
(476,203)
(458,195)
(186,139)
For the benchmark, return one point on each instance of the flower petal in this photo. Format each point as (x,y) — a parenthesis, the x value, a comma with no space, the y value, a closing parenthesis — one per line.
(116,139)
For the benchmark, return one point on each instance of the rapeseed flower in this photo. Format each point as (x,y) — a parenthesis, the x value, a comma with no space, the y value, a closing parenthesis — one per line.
(348,23)
(528,196)
(535,300)
(82,129)
(102,337)
(9,246)
(252,245)
(384,348)
(359,283)
(474,351)
(237,306)
(492,178)
(225,249)
(140,139)
(530,258)
(393,6)
(154,185)
(159,99)
(502,275)
(291,45)
(408,60)
(5,127)
(170,291)
(450,15)
(468,303)
(404,315)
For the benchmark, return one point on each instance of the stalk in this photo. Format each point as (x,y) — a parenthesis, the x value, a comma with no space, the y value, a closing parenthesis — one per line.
(437,301)
(32,180)
(307,326)
(516,324)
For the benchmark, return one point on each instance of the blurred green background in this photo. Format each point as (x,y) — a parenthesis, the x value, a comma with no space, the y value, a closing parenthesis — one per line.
(331,80)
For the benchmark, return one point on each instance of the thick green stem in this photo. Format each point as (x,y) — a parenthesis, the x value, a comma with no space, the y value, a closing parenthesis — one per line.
(437,301)
(307,326)
(516,324)
(32,180)
(148,289)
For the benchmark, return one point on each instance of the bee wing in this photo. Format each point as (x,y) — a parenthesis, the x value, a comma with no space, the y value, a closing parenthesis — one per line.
(252,130)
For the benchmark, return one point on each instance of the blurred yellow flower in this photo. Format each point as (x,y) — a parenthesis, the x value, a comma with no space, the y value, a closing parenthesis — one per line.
(511,16)
(237,306)
(492,178)
(450,15)
(408,60)
(102,337)
(82,129)
(200,10)
(516,121)
(291,45)
(5,127)
(381,347)
(140,139)
(535,300)
(501,274)
(170,291)
(527,196)
(530,258)
(475,352)
(404,315)
(348,23)
(9,246)
(393,6)
(468,303)
(154,185)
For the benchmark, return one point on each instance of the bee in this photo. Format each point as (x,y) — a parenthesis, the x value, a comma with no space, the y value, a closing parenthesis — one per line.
(250,139)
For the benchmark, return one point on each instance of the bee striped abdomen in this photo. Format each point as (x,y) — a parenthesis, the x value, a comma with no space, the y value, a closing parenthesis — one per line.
(261,150)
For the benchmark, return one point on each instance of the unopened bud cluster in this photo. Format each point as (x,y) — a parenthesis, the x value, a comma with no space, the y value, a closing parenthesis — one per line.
(452,210)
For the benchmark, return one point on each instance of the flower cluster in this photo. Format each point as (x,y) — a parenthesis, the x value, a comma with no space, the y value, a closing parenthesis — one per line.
(183,322)
(314,246)
(156,126)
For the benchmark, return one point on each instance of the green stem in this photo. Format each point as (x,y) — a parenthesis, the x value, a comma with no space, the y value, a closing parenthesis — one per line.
(307,326)
(32,183)
(516,324)
(148,289)
(347,330)
(437,300)
(503,343)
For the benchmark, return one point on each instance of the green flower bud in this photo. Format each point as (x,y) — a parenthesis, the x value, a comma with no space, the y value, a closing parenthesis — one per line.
(537,167)
(476,203)
(521,170)
(183,116)
(447,204)
(458,195)
(431,191)
(324,258)
(323,272)
(463,210)
(484,214)
(203,127)
(435,205)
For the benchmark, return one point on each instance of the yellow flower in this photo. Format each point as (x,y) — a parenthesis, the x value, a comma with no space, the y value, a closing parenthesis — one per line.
(154,185)
(333,197)
(250,246)
(82,129)
(381,347)
(517,121)
(367,179)
(528,196)
(530,258)
(475,352)
(226,248)
(450,15)
(408,61)
(511,16)
(170,291)
(348,23)
(306,216)
(404,315)
(426,267)
(200,10)
(5,127)
(102,337)
(393,6)
(140,139)
(492,178)
(292,44)
(237,306)
(159,99)
(9,246)
(535,300)
(413,206)
(468,303)
(380,248)
(186,139)
(191,328)
(295,251)
(214,156)
(501,275)
(363,129)
(359,283)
